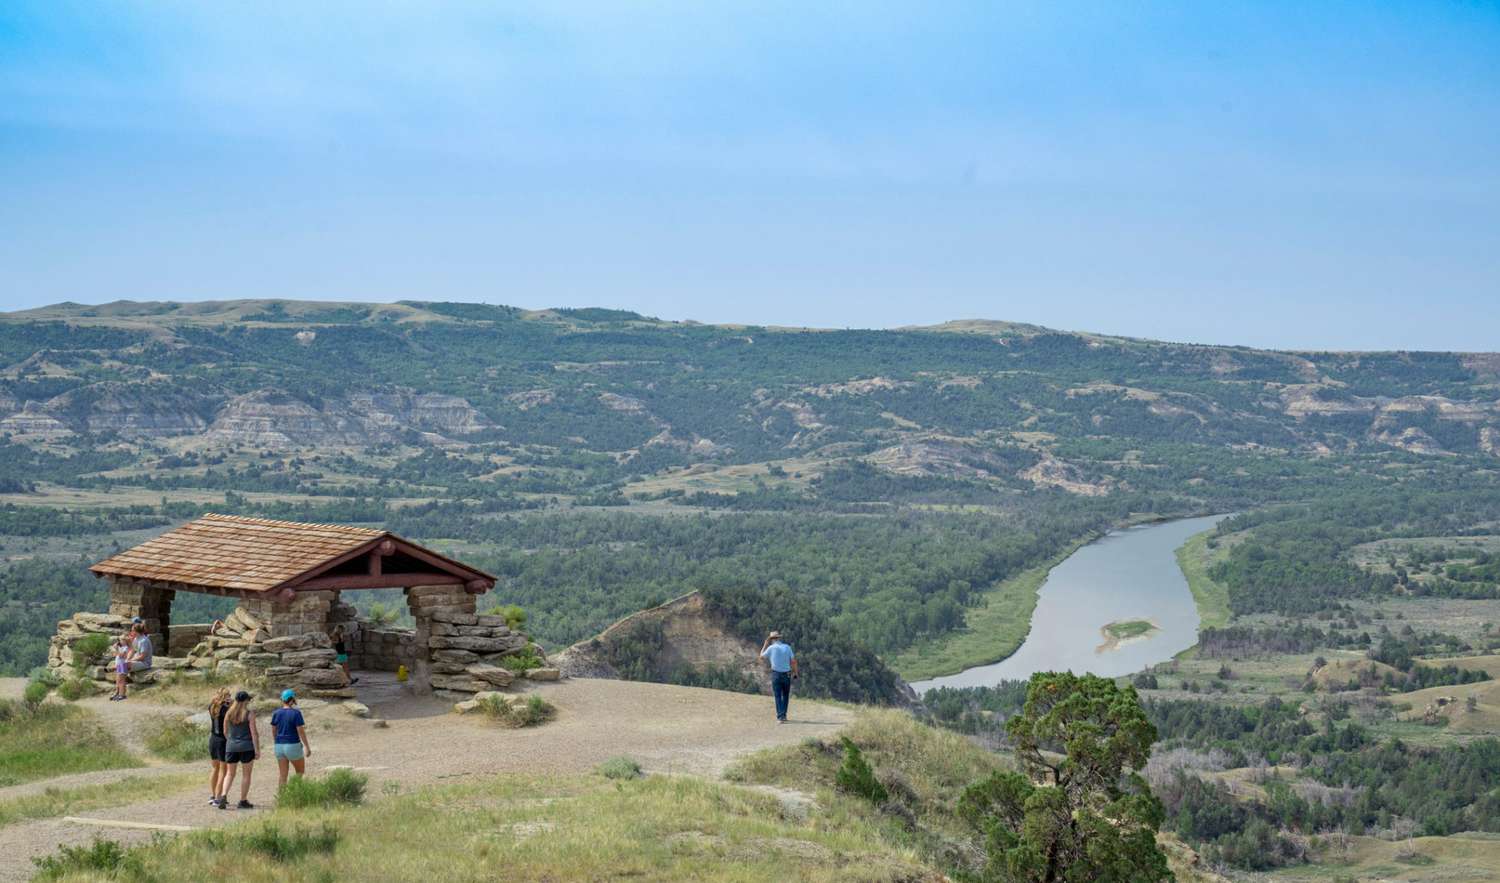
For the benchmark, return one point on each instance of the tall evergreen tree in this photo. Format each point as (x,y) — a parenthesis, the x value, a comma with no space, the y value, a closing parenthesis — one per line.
(1076,810)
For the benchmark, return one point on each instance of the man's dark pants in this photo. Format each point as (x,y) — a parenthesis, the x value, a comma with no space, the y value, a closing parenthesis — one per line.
(781,688)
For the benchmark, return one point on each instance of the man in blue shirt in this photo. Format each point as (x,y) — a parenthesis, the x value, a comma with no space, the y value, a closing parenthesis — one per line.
(783,664)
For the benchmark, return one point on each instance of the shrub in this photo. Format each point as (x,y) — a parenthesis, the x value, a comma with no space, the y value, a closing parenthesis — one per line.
(34,693)
(338,787)
(383,614)
(72,689)
(855,776)
(271,842)
(535,710)
(44,674)
(515,616)
(620,768)
(88,649)
(176,739)
(103,856)
(522,662)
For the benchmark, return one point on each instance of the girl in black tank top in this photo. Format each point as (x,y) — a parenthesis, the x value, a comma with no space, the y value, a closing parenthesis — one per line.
(217,709)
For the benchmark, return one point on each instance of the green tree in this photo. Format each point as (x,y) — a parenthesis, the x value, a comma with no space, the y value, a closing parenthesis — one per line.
(1076,811)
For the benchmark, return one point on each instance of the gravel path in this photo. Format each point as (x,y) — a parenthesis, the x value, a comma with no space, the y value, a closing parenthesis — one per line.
(668,729)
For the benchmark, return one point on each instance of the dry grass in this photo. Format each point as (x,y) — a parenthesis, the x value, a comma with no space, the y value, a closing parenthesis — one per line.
(1483,720)
(937,764)
(656,828)
(1489,664)
(1462,857)
(181,690)
(54,740)
(706,478)
(1336,675)
(54,802)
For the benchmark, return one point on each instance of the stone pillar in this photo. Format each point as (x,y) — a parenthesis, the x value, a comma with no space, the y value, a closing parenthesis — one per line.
(305,614)
(342,617)
(424,601)
(131,598)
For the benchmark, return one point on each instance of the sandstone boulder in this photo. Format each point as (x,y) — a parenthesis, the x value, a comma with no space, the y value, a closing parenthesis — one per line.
(452,617)
(492,674)
(321,677)
(302,640)
(309,658)
(458,683)
(476,644)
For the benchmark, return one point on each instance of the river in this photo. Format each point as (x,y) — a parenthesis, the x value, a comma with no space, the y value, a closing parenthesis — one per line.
(1129,574)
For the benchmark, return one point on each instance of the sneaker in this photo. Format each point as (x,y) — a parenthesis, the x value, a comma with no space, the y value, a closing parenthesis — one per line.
(222,803)
(245,804)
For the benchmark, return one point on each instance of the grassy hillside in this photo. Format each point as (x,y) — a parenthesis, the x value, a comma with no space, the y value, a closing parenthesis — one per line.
(658,828)
(778,815)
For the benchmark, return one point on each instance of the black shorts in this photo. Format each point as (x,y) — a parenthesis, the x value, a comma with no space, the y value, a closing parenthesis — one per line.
(239,756)
(216,748)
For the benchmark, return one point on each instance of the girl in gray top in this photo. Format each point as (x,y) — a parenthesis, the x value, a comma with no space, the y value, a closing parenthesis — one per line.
(241,749)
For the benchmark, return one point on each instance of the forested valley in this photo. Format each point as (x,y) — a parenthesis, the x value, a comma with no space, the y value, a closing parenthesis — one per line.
(878,490)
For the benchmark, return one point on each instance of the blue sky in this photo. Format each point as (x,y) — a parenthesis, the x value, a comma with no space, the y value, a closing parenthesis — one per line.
(1273,174)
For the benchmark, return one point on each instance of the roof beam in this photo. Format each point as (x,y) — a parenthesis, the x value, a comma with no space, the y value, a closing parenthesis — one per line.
(379,581)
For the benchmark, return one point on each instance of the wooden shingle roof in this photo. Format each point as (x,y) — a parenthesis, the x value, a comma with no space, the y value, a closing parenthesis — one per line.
(231,553)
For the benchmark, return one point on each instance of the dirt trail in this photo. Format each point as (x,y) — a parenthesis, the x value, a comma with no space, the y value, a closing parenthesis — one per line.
(668,729)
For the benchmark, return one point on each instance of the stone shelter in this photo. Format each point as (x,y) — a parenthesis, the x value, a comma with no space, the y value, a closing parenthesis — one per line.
(289,578)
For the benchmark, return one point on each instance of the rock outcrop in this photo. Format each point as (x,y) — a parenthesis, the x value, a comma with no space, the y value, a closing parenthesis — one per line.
(131,410)
(692,636)
(394,412)
(269,418)
(33,419)
(686,640)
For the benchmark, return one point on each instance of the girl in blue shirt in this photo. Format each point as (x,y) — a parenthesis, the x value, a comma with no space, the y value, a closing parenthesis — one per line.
(291,737)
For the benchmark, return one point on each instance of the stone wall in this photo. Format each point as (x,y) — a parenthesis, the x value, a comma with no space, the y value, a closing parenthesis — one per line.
(183,637)
(61,655)
(306,614)
(130,598)
(465,651)
(284,643)
(452,651)
(381,648)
